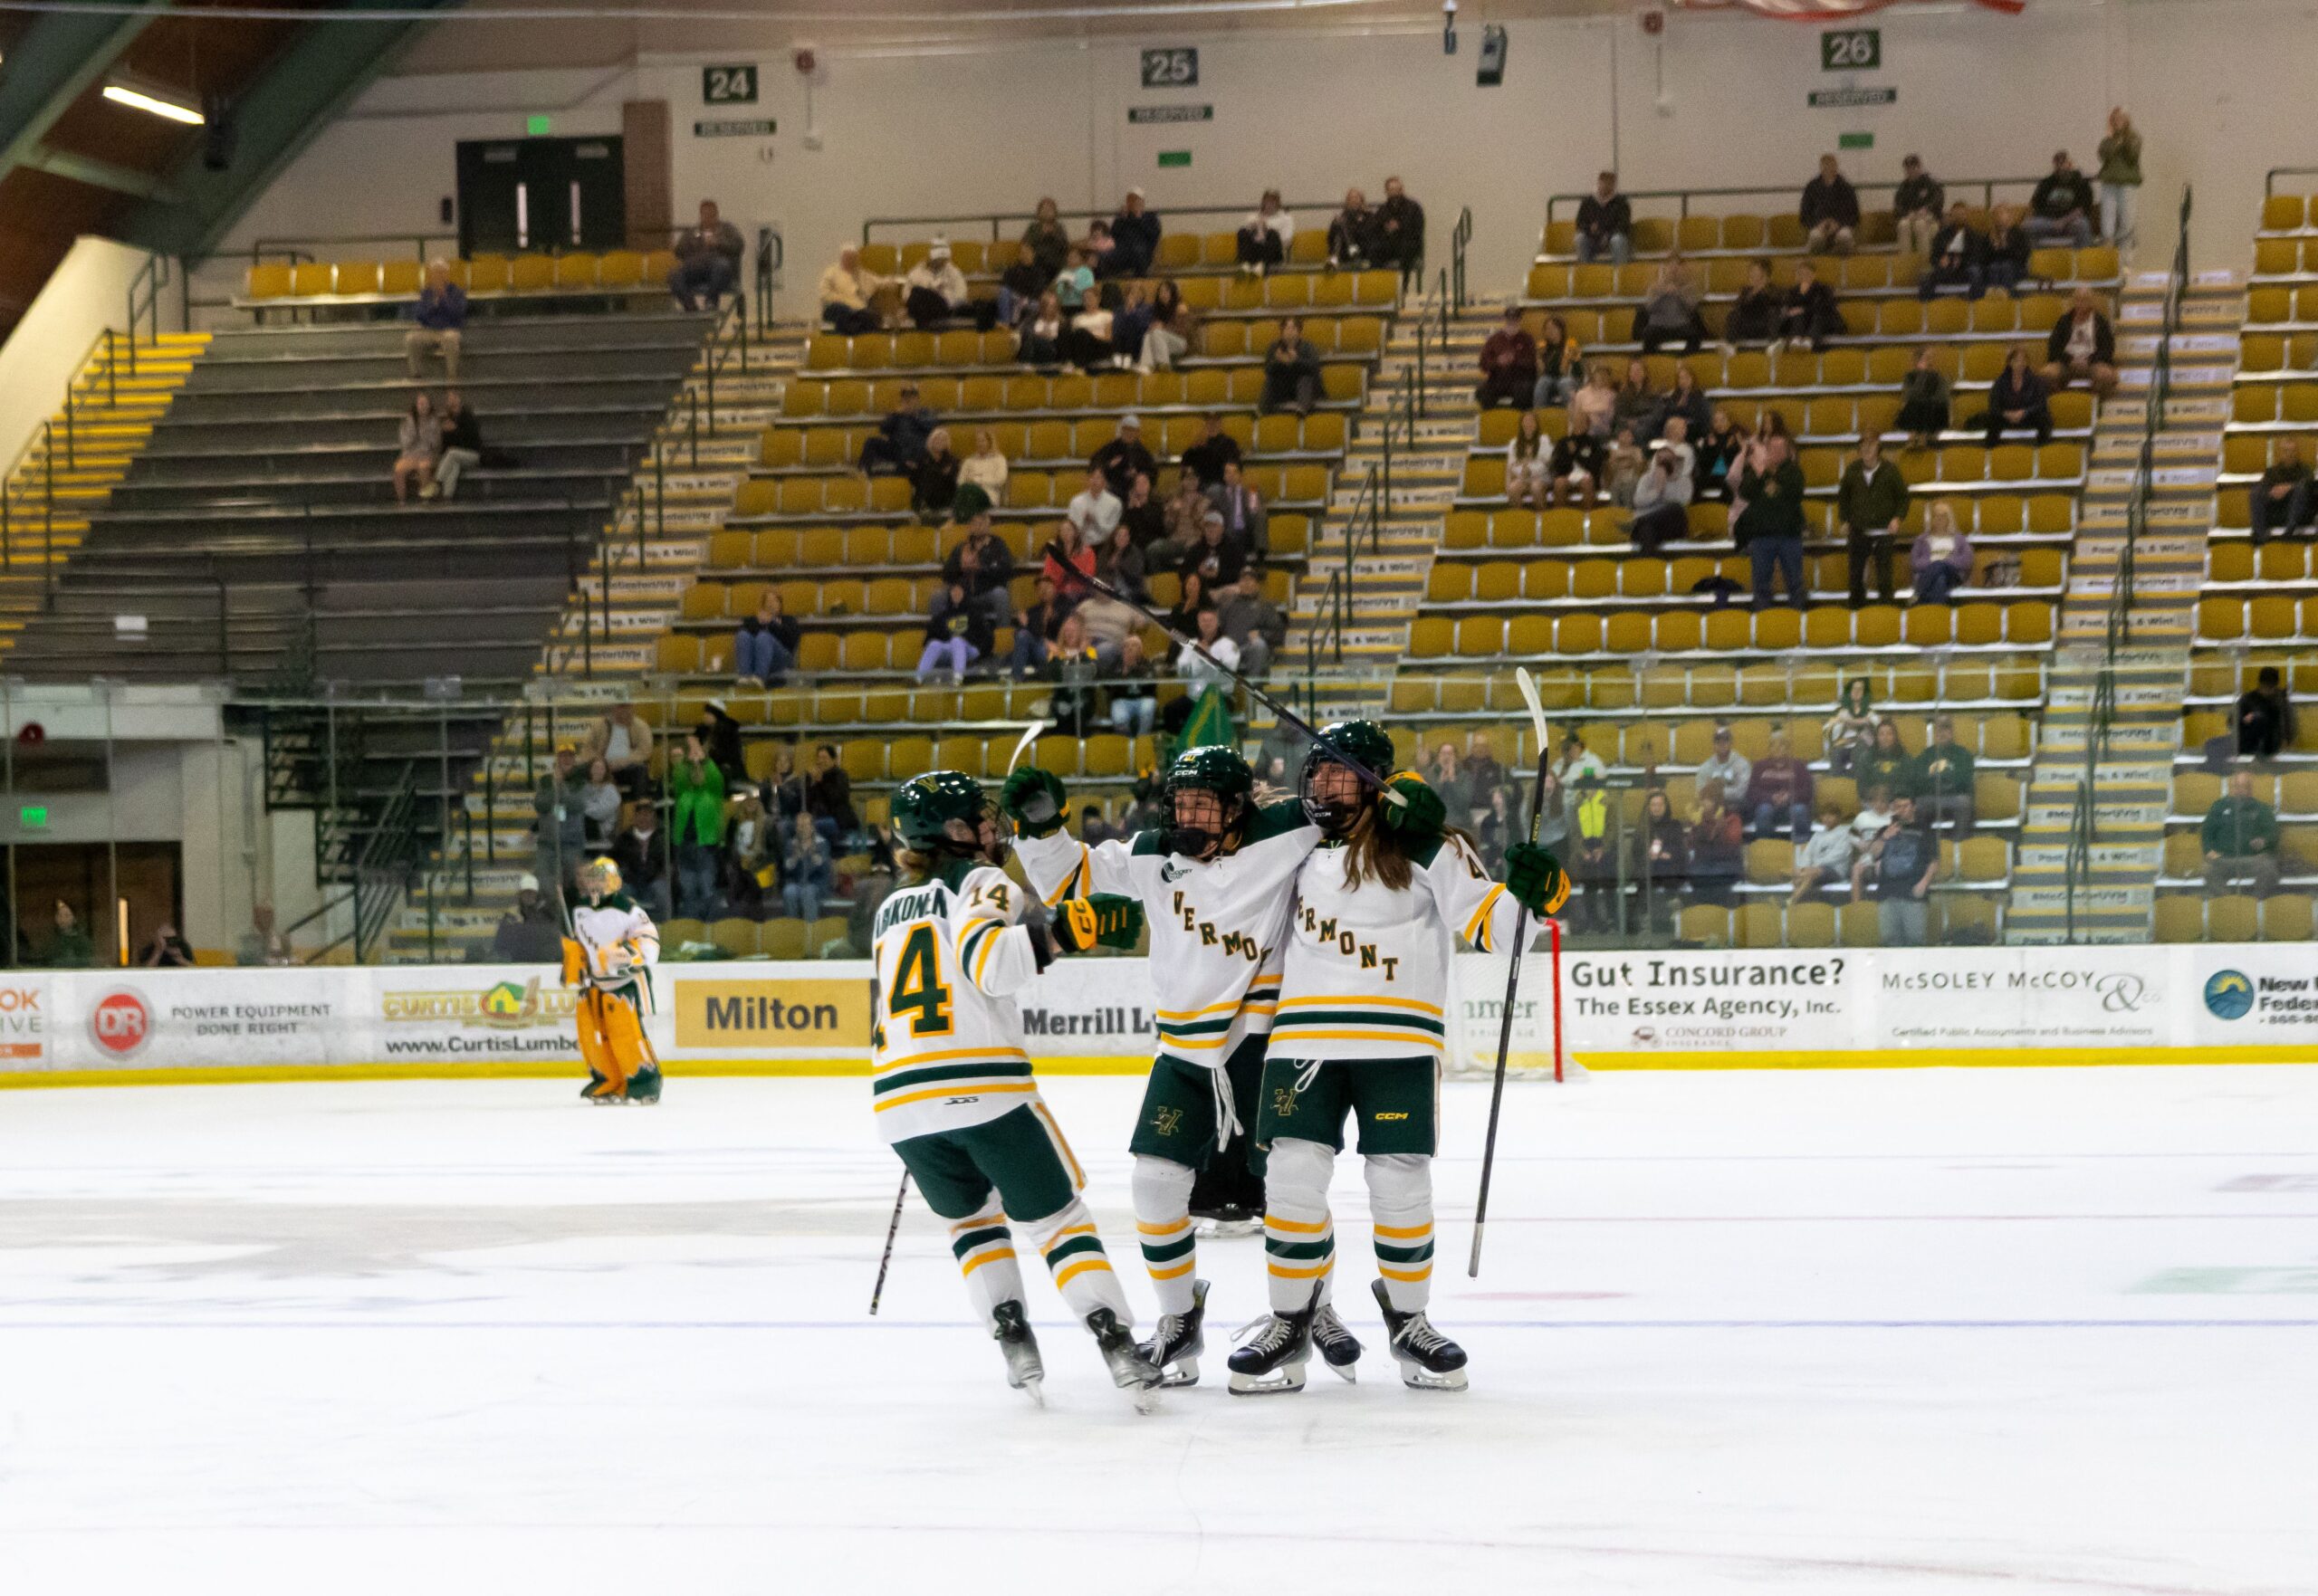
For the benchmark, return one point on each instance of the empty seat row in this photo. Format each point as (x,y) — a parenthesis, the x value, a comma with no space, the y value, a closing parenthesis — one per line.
(1966,916)
(1787,689)
(2278,351)
(486,273)
(868,547)
(835,704)
(1740,230)
(1883,320)
(2186,917)
(1800,370)
(2027,624)
(1320,433)
(910,350)
(2228,675)
(2284,212)
(1661,741)
(1645,576)
(1212,387)
(1869,273)
(1981,515)
(1025,490)
(2271,618)
(2291,792)
(2284,560)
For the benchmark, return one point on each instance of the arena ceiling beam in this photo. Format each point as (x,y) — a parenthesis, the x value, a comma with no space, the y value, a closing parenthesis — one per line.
(56,59)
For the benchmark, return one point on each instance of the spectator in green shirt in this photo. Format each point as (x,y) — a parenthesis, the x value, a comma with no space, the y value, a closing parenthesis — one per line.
(70,947)
(1943,779)
(697,789)
(2240,838)
(1870,500)
(1887,763)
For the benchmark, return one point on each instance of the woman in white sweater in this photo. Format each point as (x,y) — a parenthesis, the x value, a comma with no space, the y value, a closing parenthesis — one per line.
(1266,235)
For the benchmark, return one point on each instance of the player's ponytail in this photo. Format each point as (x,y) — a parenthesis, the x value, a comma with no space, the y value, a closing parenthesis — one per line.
(1370,850)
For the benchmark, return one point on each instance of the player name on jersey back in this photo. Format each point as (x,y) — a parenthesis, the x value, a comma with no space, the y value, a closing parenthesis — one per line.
(946,1040)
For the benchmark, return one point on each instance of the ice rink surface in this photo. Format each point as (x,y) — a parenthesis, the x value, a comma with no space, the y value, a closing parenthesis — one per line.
(1894,1331)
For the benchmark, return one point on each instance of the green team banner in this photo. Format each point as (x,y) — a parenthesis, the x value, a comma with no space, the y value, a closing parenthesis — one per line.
(1210,723)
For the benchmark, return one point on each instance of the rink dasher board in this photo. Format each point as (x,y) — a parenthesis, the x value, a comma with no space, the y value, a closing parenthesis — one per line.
(1629,1009)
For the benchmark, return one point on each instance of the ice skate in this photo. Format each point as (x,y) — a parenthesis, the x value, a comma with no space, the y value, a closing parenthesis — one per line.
(596,1084)
(1273,1359)
(1174,1348)
(1429,1360)
(644,1085)
(1339,1348)
(1130,1371)
(1024,1371)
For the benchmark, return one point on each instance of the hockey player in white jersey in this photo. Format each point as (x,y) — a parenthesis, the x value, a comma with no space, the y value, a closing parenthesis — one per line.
(609,955)
(1214,885)
(1360,1030)
(951,1078)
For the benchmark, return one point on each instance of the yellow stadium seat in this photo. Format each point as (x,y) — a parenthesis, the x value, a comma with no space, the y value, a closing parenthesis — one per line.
(311,277)
(531,274)
(270,281)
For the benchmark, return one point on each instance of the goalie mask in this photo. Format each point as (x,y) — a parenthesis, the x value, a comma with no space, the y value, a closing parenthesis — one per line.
(598,879)
(1207,794)
(1332,803)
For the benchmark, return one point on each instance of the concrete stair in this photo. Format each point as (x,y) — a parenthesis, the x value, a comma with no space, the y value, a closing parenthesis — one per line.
(2139,675)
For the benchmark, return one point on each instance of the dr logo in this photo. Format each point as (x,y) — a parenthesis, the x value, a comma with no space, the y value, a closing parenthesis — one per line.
(120,1024)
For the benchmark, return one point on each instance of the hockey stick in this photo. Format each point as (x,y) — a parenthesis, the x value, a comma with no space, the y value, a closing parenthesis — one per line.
(1029,736)
(892,1231)
(1512,980)
(1279,709)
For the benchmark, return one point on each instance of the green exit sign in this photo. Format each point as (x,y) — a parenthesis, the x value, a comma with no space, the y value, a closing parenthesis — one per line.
(1855,141)
(33,816)
(1851,49)
(1174,158)
(538,125)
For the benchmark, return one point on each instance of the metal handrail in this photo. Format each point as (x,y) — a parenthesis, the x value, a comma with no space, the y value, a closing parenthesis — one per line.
(2270,179)
(1683,196)
(1462,235)
(998,221)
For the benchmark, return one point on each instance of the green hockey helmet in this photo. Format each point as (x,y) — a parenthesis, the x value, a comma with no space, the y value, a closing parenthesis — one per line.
(924,807)
(1215,768)
(1361,744)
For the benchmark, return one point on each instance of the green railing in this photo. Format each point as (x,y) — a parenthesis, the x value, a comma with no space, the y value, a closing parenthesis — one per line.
(2117,634)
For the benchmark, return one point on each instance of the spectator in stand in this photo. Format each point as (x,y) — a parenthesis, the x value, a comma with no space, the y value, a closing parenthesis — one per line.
(1185,514)
(1076,278)
(1352,233)
(1574,471)
(1734,770)
(1205,460)
(1043,334)
(1915,207)
(1509,363)
(1871,500)
(1754,314)
(1120,562)
(764,650)
(1526,459)
(1021,284)
(1828,856)
(1829,211)
(600,803)
(829,797)
(1035,628)
(749,865)
(1669,311)
(1661,498)
(461,444)
(1923,402)
(1905,862)
(417,448)
(1955,258)
(1185,616)
(1685,402)
(1606,222)
(2120,178)
(1142,516)
(2082,347)
(1578,762)
(1636,403)
(2018,400)
(1087,345)
(72,948)
(1622,467)
(1134,708)
(934,291)
(1215,558)
(1068,560)
(1050,240)
(1770,528)
(1874,815)
(1593,408)
(708,260)
(1500,826)
(982,565)
(1850,732)
(167,950)
(985,468)
(719,734)
(847,290)
(1400,230)
(1718,847)
(1718,450)
(1122,458)
(1887,763)
(1094,509)
(1251,621)
(262,944)
(1778,791)
(2005,257)
(441,314)
(934,480)
(559,819)
(1197,667)
(1135,238)
(1806,312)
(783,789)
(1940,558)
(1482,769)
(2240,839)
(1291,371)
(899,443)
(1242,509)
(2063,207)
(805,872)
(1595,907)
(1560,366)
(696,789)
(1266,235)
(2264,717)
(2279,502)
(641,852)
(1169,340)
(1941,778)
(1132,324)
(1455,790)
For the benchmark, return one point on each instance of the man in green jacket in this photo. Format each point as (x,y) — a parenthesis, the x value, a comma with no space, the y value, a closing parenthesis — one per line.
(1770,529)
(1870,500)
(1943,779)
(2240,838)
(72,948)
(697,788)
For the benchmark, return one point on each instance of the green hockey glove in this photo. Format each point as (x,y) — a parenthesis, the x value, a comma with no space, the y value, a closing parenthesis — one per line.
(1036,801)
(1535,877)
(1421,814)
(1106,920)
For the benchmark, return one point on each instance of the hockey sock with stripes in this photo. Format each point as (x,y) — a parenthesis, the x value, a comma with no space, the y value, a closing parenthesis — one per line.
(1400,1199)
(1081,1269)
(1163,1223)
(1299,1238)
(985,1252)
